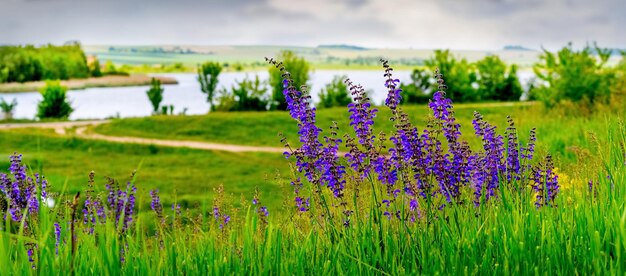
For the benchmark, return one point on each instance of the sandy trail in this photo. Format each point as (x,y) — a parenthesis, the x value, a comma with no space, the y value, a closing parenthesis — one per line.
(81,132)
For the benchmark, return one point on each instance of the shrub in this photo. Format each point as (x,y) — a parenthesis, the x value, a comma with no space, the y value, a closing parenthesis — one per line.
(416,92)
(299,73)
(7,108)
(495,83)
(155,94)
(576,76)
(246,95)
(207,76)
(55,103)
(460,76)
(111,70)
(94,69)
(335,94)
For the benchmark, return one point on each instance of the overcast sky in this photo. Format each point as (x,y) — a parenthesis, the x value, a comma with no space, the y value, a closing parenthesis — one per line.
(456,24)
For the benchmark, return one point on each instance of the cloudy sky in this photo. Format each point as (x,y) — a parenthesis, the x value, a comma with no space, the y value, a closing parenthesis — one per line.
(456,24)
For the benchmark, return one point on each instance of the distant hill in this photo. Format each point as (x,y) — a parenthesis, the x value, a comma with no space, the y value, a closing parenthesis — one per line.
(343,46)
(516,48)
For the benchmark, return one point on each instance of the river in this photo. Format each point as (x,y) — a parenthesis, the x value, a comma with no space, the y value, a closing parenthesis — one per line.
(100,103)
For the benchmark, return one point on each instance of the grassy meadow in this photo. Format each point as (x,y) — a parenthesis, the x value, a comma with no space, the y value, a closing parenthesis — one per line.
(559,131)
(183,175)
(419,202)
(584,231)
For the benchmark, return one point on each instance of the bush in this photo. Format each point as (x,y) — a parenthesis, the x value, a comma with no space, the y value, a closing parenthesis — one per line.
(207,76)
(495,83)
(460,76)
(55,103)
(7,108)
(416,92)
(155,94)
(111,70)
(336,93)
(246,95)
(94,69)
(576,76)
(299,69)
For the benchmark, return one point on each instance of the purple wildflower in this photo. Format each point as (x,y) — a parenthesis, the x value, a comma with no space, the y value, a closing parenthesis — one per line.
(156,206)
(57,234)
(263,210)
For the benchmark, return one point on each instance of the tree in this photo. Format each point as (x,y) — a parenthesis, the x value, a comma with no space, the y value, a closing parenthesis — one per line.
(495,83)
(416,92)
(576,76)
(299,69)
(459,75)
(336,93)
(155,94)
(246,95)
(55,103)
(207,76)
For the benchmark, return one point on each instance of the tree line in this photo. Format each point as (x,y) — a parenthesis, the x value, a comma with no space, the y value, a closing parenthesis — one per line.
(578,76)
(49,62)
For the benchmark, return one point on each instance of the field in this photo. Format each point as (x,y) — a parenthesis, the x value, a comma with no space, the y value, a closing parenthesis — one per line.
(581,231)
(322,57)
(556,130)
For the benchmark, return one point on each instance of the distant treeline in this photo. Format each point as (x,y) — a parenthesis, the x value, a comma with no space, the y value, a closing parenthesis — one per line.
(155,50)
(30,63)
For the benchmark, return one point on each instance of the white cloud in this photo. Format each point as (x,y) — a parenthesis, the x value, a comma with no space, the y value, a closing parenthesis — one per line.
(476,24)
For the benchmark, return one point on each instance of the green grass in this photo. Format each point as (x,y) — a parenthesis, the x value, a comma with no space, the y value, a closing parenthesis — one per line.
(190,175)
(585,233)
(556,132)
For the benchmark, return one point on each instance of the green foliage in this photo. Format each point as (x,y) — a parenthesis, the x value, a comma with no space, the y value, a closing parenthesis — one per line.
(299,69)
(55,103)
(575,76)
(459,76)
(495,83)
(28,63)
(485,80)
(4,74)
(207,76)
(111,70)
(415,92)
(155,94)
(335,94)
(167,110)
(246,95)
(7,107)
(94,69)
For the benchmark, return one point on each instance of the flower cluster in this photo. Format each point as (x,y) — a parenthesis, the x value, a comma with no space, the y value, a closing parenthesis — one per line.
(432,167)
(121,202)
(156,206)
(20,192)
(94,208)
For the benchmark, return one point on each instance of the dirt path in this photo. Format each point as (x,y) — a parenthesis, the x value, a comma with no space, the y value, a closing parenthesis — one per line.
(81,132)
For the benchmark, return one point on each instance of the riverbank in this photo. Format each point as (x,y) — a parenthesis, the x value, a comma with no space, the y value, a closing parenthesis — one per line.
(74,84)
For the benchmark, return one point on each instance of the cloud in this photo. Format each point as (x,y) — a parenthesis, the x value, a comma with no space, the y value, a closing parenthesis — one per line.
(476,24)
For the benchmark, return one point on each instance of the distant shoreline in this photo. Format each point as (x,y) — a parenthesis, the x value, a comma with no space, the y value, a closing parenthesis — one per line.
(77,84)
